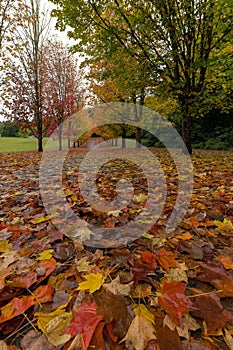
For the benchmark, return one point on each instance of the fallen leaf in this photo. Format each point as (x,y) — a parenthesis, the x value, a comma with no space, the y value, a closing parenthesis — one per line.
(214,273)
(140,332)
(226,225)
(55,328)
(209,308)
(226,261)
(141,310)
(44,319)
(189,324)
(93,282)
(149,258)
(118,288)
(166,259)
(84,322)
(5,246)
(173,300)
(45,255)
(3,345)
(36,341)
(177,274)
(185,236)
(228,338)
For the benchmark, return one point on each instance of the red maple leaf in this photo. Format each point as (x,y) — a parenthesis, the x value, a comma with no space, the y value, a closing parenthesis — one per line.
(84,322)
(174,301)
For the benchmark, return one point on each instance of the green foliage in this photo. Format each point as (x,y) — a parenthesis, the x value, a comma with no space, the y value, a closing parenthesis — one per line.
(185,48)
(8,129)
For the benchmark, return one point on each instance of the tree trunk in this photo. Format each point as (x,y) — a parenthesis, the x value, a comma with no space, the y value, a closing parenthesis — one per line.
(123,137)
(40,143)
(138,136)
(186,131)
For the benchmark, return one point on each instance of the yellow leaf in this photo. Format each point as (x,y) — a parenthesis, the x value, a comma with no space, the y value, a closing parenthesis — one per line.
(40,219)
(5,246)
(3,345)
(226,225)
(45,255)
(141,310)
(93,282)
(55,329)
(44,319)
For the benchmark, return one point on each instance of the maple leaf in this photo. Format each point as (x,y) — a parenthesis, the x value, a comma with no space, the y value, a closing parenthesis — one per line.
(118,288)
(44,319)
(45,255)
(209,308)
(226,225)
(84,322)
(189,324)
(5,246)
(226,261)
(140,332)
(166,259)
(16,307)
(141,310)
(174,301)
(214,273)
(149,258)
(93,282)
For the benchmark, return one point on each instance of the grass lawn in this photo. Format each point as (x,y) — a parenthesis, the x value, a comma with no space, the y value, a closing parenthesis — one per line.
(21,144)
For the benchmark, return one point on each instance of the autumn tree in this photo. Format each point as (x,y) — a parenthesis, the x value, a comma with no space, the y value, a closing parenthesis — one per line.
(63,92)
(26,75)
(180,41)
(12,16)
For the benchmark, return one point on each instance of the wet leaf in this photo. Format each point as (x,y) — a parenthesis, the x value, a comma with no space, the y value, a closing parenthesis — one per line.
(174,301)
(166,259)
(214,273)
(209,308)
(84,322)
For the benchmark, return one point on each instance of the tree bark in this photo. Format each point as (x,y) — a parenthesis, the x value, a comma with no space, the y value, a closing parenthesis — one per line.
(186,131)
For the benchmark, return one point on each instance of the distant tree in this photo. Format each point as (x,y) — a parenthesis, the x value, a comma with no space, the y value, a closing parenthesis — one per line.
(26,75)
(62,91)
(9,129)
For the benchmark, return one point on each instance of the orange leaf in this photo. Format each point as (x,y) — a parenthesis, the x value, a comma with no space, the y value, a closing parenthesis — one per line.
(166,259)
(174,301)
(44,294)
(16,307)
(149,258)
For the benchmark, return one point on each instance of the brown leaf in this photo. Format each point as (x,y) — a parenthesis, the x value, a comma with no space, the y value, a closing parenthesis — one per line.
(36,341)
(209,308)
(214,273)
(114,307)
(140,332)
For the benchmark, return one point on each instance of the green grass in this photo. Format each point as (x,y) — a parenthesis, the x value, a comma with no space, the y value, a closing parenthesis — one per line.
(21,144)
(17,144)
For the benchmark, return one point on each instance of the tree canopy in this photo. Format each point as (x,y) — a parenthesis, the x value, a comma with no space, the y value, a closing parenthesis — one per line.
(180,43)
